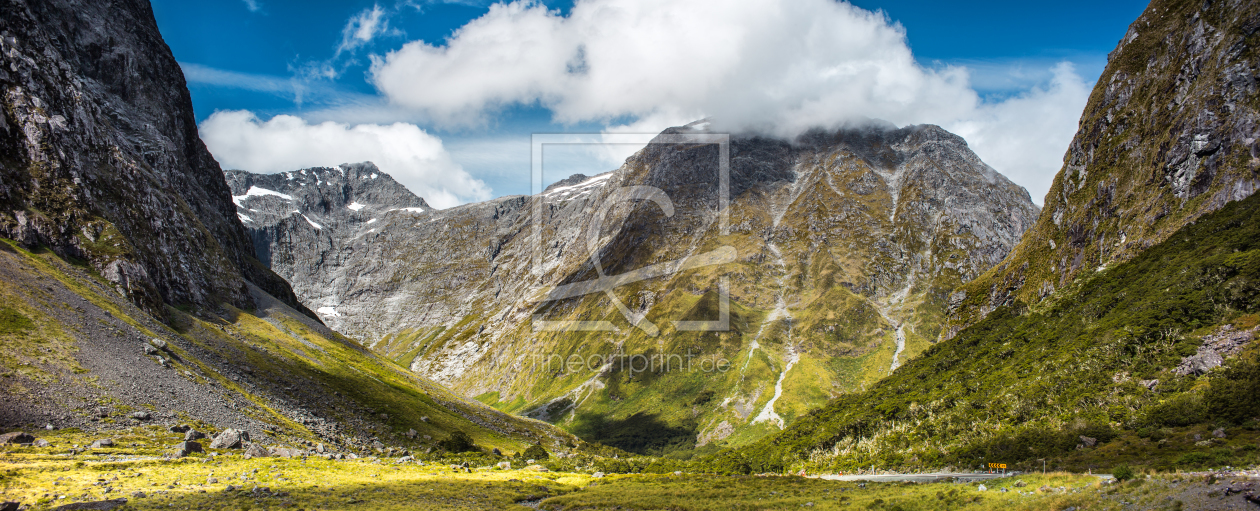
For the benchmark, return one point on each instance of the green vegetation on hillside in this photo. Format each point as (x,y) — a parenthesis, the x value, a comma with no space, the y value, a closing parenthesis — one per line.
(280,358)
(1132,175)
(43,477)
(1028,383)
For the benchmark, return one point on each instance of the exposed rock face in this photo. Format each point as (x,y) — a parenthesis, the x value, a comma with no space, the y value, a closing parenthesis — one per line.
(304,222)
(100,157)
(1225,342)
(1169,134)
(843,247)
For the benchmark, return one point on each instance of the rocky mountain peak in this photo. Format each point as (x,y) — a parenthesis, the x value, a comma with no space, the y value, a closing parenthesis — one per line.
(326,190)
(846,245)
(303,222)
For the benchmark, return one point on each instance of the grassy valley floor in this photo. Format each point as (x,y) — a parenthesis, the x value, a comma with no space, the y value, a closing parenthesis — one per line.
(64,472)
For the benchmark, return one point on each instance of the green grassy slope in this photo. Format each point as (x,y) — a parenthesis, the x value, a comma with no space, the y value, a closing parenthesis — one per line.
(279,368)
(1026,384)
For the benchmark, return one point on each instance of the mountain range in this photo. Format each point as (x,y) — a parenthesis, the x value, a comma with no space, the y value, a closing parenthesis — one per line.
(843,248)
(859,295)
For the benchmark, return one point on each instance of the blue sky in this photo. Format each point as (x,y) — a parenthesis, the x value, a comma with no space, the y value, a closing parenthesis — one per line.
(452,118)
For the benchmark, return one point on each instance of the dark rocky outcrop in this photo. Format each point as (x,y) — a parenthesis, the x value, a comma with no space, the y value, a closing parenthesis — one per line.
(100,159)
(16,437)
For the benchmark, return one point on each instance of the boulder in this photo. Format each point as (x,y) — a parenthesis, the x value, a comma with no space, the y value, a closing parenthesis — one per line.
(1200,363)
(193,434)
(141,416)
(40,442)
(230,439)
(504,465)
(17,437)
(186,448)
(257,451)
(598,475)
(104,442)
(319,448)
(1220,432)
(182,428)
(157,343)
(287,452)
(10,506)
(1088,442)
(150,350)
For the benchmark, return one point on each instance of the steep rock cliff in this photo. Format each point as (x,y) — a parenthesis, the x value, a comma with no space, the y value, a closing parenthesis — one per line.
(101,160)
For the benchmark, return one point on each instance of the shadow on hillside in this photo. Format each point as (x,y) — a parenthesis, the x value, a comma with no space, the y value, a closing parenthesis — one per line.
(641,433)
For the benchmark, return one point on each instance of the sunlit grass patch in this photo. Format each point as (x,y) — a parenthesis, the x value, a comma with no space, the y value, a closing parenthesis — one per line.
(45,477)
(707,492)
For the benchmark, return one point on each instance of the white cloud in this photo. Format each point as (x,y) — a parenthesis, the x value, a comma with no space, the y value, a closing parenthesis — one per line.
(300,88)
(252,5)
(362,28)
(765,65)
(239,139)
(759,63)
(1025,137)
(197,73)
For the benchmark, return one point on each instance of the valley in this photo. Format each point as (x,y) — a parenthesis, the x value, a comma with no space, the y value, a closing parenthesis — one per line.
(837,312)
(838,228)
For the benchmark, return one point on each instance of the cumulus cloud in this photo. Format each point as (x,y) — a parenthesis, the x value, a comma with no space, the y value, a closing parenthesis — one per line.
(760,65)
(240,140)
